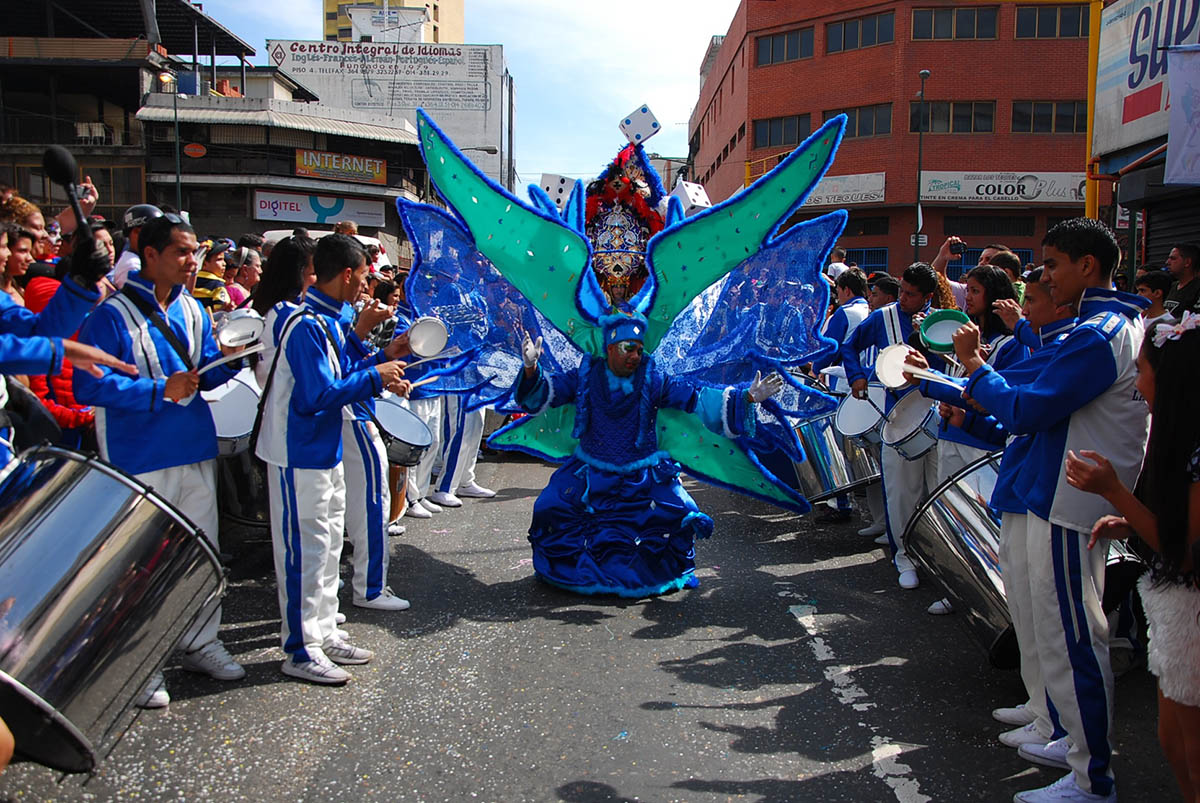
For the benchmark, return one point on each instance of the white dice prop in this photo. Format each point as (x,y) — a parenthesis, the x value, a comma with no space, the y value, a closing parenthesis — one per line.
(558,188)
(639,125)
(692,196)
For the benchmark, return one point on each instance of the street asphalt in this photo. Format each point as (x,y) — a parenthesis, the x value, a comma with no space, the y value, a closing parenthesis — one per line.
(797,671)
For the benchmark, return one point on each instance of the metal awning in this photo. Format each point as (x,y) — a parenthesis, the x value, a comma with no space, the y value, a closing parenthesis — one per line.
(278,119)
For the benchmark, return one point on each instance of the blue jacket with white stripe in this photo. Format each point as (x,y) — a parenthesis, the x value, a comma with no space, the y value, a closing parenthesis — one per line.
(68,307)
(137,428)
(886,326)
(1084,397)
(315,382)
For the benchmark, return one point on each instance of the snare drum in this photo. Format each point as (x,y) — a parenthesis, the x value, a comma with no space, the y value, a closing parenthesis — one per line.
(862,419)
(911,427)
(240,328)
(99,579)
(233,406)
(427,337)
(241,476)
(405,434)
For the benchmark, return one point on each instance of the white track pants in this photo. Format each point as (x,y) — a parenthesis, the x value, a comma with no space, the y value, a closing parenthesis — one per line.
(1064,592)
(954,457)
(368,501)
(460,445)
(193,489)
(905,484)
(429,411)
(308,511)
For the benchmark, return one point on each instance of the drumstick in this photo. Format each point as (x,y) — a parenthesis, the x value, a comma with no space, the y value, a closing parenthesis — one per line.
(424,381)
(932,376)
(255,349)
(450,352)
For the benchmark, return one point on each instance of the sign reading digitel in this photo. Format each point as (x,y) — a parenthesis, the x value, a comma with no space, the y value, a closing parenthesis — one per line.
(340,167)
(1132,102)
(1066,189)
(296,208)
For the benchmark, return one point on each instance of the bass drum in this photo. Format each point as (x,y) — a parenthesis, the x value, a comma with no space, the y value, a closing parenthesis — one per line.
(955,535)
(99,578)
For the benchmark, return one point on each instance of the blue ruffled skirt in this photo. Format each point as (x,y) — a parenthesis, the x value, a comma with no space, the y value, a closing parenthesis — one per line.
(630,534)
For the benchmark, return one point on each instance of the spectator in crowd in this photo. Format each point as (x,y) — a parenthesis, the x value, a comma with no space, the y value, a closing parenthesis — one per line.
(1183,263)
(1163,513)
(132,221)
(1154,286)
(252,241)
(347,227)
(1010,263)
(952,249)
(884,290)
(210,288)
(156,425)
(837,264)
(20,245)
(243,268)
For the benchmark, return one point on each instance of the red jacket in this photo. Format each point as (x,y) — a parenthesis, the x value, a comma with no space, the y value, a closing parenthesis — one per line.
(56,392)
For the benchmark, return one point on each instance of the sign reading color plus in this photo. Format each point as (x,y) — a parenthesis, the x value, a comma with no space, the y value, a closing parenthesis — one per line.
(1063,189)
(1132,102)
(340,167)
(292,207)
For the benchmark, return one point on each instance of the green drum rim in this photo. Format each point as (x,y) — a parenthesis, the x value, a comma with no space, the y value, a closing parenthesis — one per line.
(937,316)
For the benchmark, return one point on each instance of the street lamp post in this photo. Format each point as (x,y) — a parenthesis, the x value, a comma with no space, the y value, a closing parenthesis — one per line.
(924,121)
(168,78)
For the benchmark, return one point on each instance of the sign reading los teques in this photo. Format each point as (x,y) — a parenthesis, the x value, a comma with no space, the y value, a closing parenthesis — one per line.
(1024,188)
(340,167)
(855,188)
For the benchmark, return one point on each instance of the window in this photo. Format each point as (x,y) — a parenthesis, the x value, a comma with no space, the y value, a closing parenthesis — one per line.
(331,37)
(869,260)
(782,130)
(331,15)
(955,23)
(866,121)
(1046,117)
(343,33)
(1052,22)
(863,226)
(787,46)
(991,226)
(119,187)
(953,117)
(366,38)
(878,29)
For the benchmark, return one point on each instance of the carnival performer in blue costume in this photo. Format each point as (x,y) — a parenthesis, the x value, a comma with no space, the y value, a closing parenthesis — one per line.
(614,518)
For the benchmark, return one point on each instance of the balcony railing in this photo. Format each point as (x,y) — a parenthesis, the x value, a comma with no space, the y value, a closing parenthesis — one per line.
(28,128)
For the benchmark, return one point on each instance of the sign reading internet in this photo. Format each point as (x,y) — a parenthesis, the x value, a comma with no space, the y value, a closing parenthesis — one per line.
(340,167)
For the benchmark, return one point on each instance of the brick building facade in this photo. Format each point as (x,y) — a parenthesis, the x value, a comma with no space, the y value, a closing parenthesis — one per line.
(1005,120)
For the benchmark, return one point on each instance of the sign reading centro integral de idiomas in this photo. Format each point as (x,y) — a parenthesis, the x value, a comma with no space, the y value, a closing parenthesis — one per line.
(855,188)
(1064,189)
(1132,101)
(297,208)
(340,167)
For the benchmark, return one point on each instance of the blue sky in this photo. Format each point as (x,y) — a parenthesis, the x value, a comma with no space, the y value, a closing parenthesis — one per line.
(579,66)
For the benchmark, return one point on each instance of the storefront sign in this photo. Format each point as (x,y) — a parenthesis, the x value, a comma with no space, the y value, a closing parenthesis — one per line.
(297,208)
(340,167)
(857,188)
(1132,102)
(1183,141)
(1065,189)
(194,150)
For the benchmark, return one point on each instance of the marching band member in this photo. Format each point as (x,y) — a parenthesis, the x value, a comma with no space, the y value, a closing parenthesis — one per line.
(304,405)
(905,482)
(1084,398)
(156,426)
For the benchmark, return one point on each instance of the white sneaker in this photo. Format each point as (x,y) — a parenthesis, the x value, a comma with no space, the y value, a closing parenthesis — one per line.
(1064,789)
(342,634)
(339,618)
(343,652)
(908,579)
(319,670)
(1051,754)
(1026,734)
(386,601)
(395,528)
(476,491)
(155,694)
(1016,715)
(213,660)
(416,511)
(940,608)
(430,505)
(875,528)
(882,539)
(445,499)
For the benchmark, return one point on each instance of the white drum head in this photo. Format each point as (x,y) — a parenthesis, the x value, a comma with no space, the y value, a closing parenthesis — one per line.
(906,416)
(233,413)
(427,337)
(942,331)
(402,424)
(856,416)
(889,365)
(240,329)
